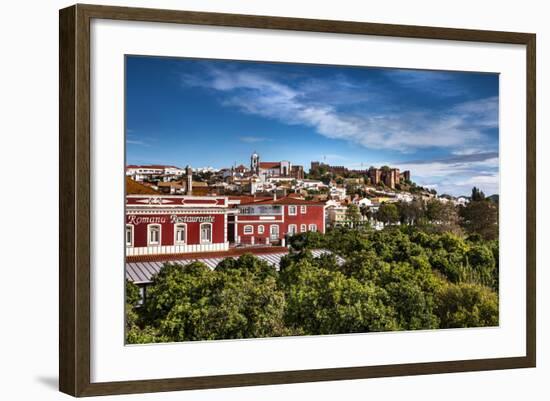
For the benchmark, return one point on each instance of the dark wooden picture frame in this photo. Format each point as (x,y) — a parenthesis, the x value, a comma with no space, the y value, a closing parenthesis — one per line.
(74,203)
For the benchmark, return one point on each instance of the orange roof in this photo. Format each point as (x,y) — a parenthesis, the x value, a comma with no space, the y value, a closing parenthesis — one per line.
(175,184)
(270,164)
(137,188)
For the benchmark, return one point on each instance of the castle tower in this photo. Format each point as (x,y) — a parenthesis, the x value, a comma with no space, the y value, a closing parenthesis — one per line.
(189,188)
(255,163)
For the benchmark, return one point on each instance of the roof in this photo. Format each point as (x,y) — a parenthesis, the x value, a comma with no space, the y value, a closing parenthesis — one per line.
(286,201)
(143,272)
(176,184)
(248,198)
(200,184)
(270,164)
(137,188)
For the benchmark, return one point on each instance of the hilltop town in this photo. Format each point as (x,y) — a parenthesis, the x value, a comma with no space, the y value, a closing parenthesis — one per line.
(335,186)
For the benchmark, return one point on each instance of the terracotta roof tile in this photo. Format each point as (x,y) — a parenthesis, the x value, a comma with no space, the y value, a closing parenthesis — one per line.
(270,164)
(137,188)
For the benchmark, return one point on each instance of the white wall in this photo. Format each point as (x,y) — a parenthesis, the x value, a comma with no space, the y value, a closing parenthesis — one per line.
(28,90)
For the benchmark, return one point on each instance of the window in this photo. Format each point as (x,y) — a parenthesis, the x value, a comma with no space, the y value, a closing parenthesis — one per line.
(292,210)
(303,228)
(154,234)
(248,230)
(313,227)
(129,235)
(292,229)
(303,209)
(261,229)
(180,233)
(206,233)
(274,232)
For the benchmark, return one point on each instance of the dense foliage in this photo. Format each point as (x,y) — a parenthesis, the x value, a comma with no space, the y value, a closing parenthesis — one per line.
(404,277)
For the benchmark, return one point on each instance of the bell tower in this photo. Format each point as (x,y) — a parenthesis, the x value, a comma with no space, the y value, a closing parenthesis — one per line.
(255,163)
(189,188)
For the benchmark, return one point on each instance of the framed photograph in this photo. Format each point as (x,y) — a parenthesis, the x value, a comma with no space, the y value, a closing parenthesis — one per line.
(250,200)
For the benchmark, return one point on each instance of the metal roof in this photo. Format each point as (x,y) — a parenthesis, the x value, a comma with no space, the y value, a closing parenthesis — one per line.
(143,272)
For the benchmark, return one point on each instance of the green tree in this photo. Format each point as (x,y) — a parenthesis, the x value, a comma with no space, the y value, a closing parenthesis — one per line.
(135,333)
(352,214)
(466,305)
(480,217)
(307,240)
(195,303)
(410,212)
(387,213)
(320,301)
(477,195)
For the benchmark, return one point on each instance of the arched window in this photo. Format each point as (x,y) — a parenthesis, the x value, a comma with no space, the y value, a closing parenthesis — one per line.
(291,229)
(153,234)
(303,228)
(274,231)
(313,227)
(180,234)
(206,233)
(261,229)
(248,230)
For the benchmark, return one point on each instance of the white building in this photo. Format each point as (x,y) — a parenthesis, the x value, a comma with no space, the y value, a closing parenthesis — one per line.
(142,172)
(338,193)
(404,197)
(362,202)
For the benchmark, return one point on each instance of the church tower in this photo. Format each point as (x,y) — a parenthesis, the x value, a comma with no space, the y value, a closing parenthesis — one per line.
(255,163)
(189,188)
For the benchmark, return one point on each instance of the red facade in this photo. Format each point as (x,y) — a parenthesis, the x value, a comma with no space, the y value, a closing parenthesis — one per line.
(271,221)
(140,224)
(188,224)
(175,224)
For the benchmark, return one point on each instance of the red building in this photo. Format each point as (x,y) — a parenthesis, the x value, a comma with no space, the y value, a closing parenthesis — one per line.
(175,224)
(271,221)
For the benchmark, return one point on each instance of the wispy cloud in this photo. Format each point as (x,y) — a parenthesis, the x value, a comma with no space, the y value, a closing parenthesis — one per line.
(133,139)
(137,142)
(253,139)
(256,93)
(435,82)
(456,175)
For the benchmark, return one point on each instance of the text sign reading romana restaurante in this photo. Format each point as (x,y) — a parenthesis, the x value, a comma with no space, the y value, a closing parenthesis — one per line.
(173,219)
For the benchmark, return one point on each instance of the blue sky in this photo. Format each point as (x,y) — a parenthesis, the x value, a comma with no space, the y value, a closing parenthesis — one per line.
(443,126)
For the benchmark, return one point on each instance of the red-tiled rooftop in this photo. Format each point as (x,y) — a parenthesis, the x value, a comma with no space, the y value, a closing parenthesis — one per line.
(270,164)
(137,188)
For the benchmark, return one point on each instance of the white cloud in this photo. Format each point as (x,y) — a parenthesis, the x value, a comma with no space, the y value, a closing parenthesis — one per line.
(454,176)
(253,139)
(259,94)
